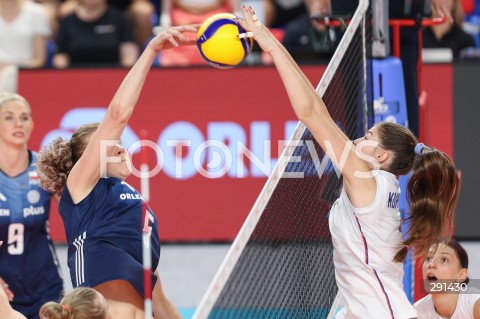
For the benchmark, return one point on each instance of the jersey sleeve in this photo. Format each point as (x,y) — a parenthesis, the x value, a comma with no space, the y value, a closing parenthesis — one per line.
(424,308)
(39,21)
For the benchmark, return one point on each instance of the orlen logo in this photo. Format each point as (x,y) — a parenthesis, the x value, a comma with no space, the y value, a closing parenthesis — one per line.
(77,117)
(184,150)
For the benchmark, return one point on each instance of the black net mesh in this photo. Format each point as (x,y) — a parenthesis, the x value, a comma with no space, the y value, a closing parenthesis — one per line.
(286,268)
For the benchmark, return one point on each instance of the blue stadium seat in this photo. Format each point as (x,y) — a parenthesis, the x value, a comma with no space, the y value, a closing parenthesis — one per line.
(51,50)
(389,91)
(158,11)
(472,25)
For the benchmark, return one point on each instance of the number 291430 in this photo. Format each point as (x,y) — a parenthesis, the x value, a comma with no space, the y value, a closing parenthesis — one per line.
(445,287)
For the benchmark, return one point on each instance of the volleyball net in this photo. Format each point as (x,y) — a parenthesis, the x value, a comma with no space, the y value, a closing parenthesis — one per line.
(280,264)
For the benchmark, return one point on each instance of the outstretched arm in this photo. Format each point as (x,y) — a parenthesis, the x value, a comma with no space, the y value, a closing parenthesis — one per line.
(162,307)
(311,110)
(4,287)
(6,310)
(476,310)
(86,172)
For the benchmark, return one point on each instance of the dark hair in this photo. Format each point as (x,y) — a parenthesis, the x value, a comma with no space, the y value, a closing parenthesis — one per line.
(401,141)
(459,251)
(56,161)
(432,189)
(80,303)
(461,254)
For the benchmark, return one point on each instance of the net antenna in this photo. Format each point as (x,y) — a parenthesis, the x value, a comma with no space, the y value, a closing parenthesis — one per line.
(280,264)
(146,242)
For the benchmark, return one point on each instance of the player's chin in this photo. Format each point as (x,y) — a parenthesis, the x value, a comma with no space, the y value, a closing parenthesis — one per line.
(124,174)
(19,141)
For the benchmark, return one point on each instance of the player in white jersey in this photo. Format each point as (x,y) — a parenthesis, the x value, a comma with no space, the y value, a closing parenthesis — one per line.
(445,275)
(365,220)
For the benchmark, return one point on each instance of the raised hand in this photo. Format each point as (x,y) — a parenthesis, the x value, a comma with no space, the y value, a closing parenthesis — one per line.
(443,8)
(257,30)
(172,38)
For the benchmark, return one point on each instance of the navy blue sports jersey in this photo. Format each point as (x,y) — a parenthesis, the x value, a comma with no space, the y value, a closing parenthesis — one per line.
(104,234)
(28,263)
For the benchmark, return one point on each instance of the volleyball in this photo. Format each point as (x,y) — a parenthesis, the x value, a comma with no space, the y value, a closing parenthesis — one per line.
(218,41)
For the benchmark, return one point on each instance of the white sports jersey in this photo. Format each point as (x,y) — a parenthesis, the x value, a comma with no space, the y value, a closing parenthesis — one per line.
(16,37)
(365,241)
(464,310)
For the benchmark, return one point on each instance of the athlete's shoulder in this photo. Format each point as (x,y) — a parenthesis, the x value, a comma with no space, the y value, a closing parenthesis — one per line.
(33,160)
(387,178)
(120,309)
(468,300)
(425,307)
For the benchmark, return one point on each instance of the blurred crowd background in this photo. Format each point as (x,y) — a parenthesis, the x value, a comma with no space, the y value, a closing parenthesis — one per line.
(85,33)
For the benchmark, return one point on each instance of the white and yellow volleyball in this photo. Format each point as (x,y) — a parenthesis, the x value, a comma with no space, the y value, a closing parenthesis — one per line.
(219,43)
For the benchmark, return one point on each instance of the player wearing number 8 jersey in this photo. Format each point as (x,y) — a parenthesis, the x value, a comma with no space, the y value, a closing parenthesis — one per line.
(102,214)
(28,263)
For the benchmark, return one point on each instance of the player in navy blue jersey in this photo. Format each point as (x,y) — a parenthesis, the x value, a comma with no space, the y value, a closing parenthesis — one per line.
(28,263)
(103,214)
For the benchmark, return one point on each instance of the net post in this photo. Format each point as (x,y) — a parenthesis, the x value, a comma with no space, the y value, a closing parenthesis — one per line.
(262,253)
(146,253)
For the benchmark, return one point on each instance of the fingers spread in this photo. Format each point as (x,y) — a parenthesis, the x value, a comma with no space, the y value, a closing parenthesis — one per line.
(246,15)
(179,35)
(189,28)
(250,16)
(171,39)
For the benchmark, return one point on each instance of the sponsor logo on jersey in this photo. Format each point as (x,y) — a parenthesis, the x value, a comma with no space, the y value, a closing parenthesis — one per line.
(134,195)
(33,196)
(4,212)
(33,178)
(393,200)
(3,198)
(130,196)
(33,210)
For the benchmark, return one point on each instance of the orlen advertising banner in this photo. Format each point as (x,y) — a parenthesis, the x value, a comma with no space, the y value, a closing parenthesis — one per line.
(219,134)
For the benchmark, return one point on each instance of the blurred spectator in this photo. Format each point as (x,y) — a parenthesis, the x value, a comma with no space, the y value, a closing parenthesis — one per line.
(448,34)
(140,13)
(95,34)
(50,7)
(182,12)
(279,12)
(306,38)
(24,30)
